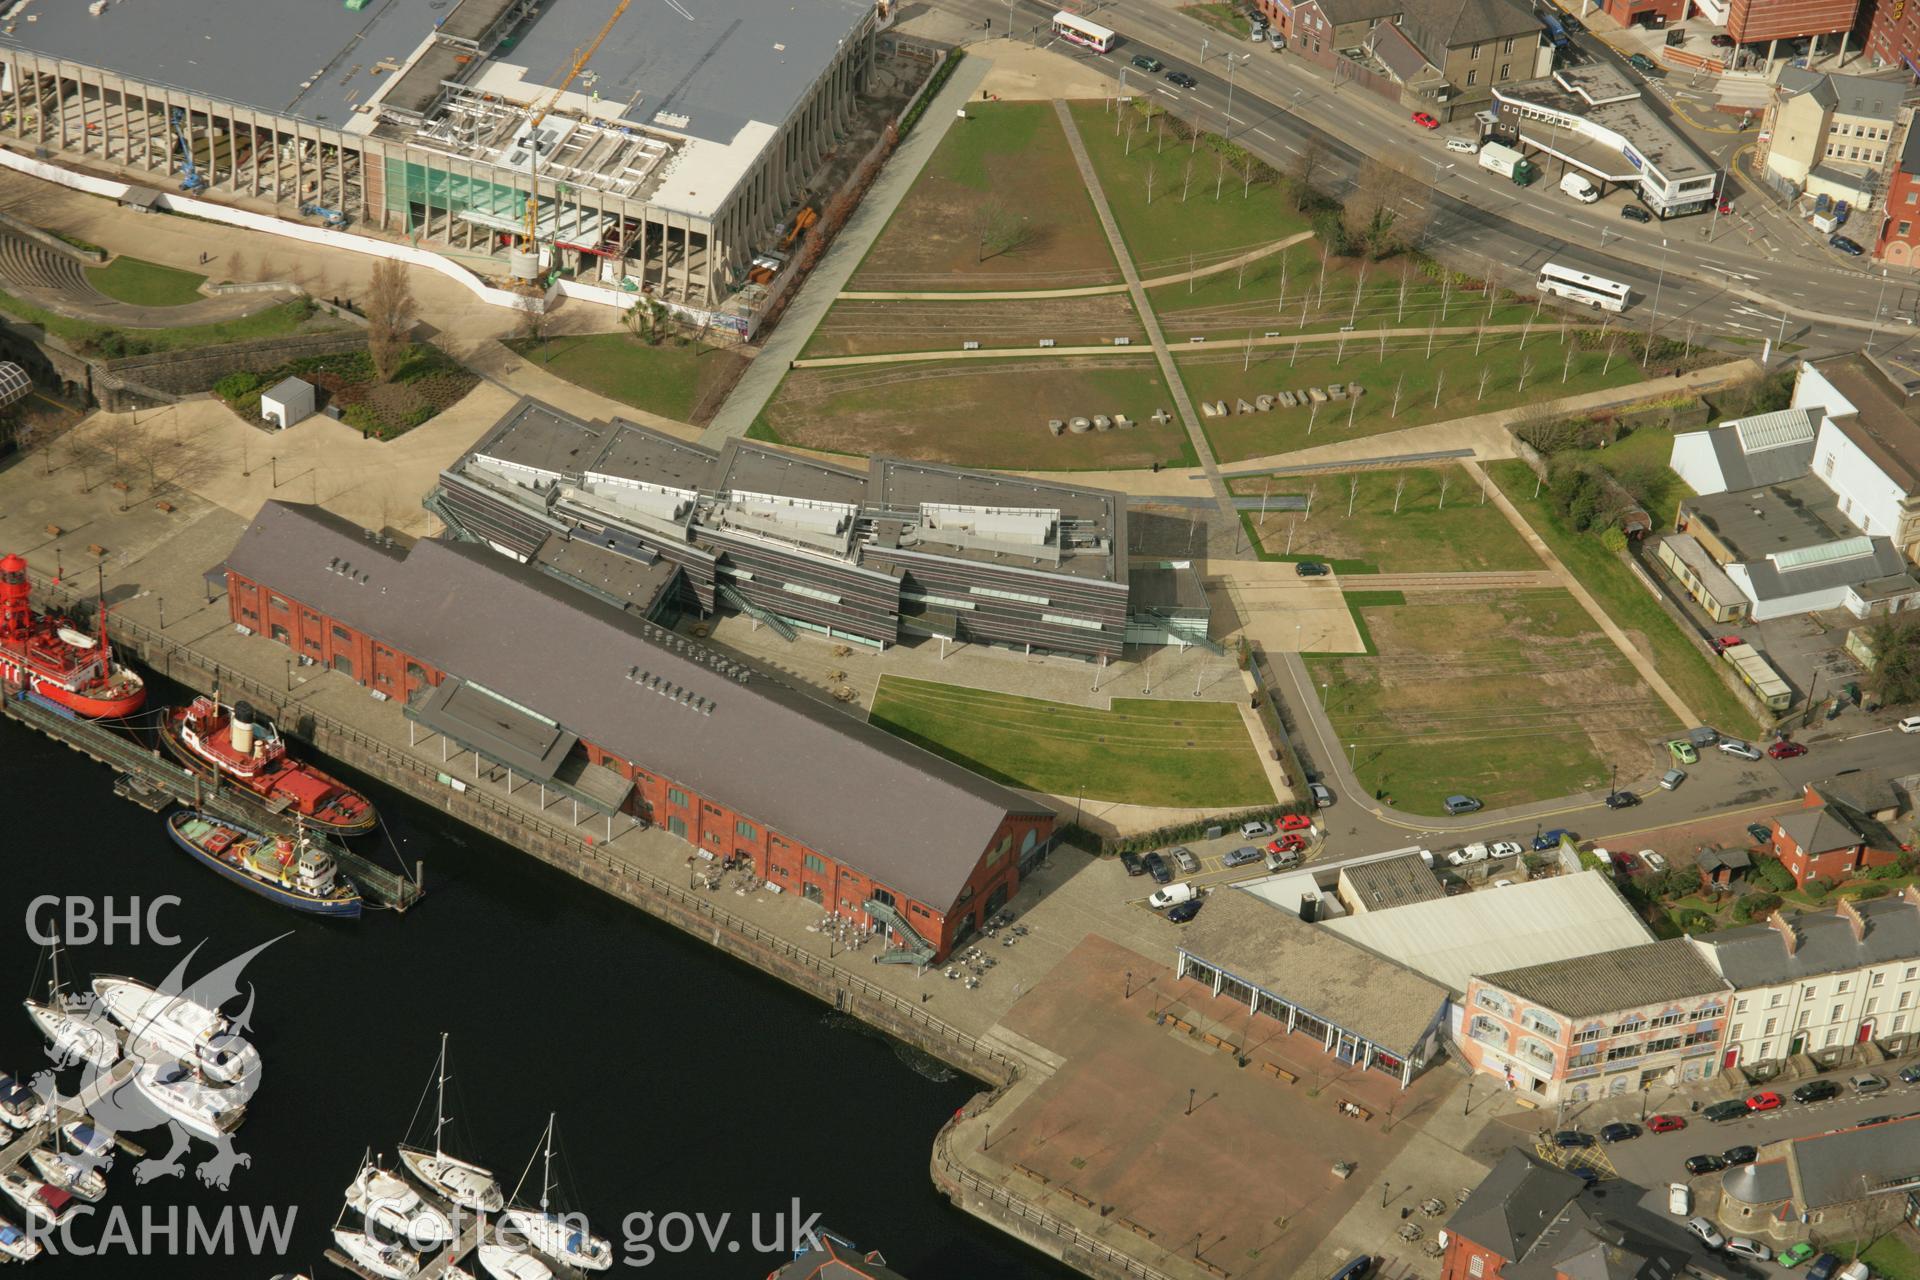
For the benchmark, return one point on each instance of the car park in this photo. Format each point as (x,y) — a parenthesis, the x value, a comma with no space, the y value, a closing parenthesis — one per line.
(1131,861)
(1291,822)
(1682,752)
(1457,805)
(1634,213)
(1705,1164)
(1572,1139)
(1672,778)
(1784,750)
(1242,856)
(1741,1246)
(1761,832)
(1425,121)
(1184,859)
(1679,1199)
(1708,1233)
(1172,895)
(1280,860)
(1735,747)
(1157,868)
(1505,849)
(1823,1267)
(1727,1109)
(1845,245)
(1816,1091)
(1622,800)
(1548,839)
(1652,861)
(1666,1123)
(1766,1101)
(1253,830)
(1290,842)
(1145,63)
(1868,1082)
(1322,798)
(1642,63)
(1181,912)
(1311,569)
(1740,1155)
(1794,1255)
(1619,1131)
(1626,862)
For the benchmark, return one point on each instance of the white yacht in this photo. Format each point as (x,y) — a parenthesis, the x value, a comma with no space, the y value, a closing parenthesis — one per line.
(466,1184)
(172,1024)
(17,1244)
(389,1201)
(563,1237)
(206,1110)
(20,1106)
(503,1263)
(76,1034)
(35,1198)
(387,1260)
(95,1148)
(69,1174)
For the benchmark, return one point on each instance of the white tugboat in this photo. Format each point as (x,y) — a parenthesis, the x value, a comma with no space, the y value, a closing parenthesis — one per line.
(563,1237)
(69,1174)
(388,1261)
(388,1201)
(172,1024)
(466,1184)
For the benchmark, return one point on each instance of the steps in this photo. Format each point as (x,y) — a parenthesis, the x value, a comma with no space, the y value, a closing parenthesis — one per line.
(912,948)
(780,625)
(31,267)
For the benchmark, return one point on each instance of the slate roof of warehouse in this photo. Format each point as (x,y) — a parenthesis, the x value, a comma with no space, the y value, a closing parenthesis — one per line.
(1383,883)
(1452,939)
(1768,448)
(1757,956)
(1653,973)
(906,817)
(1836,1168)
(1305,965)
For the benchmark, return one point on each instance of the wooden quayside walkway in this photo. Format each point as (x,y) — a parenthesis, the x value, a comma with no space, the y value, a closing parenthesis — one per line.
(152,781)
(65,1110)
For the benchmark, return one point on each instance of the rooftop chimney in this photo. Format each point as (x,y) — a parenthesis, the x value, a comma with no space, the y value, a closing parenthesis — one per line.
(1850,912)
(1784,927)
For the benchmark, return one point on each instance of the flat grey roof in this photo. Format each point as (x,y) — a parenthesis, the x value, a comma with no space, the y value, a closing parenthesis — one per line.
(537,435)
(1754,523)
(1886,426)
(1835,1168)
(1319,971)
(1712,577)
(1381,883)
(900,485)
(910,819)
(310,59)
(527,743)
(636,452)
(635,580)
(1600,92)
(755,468)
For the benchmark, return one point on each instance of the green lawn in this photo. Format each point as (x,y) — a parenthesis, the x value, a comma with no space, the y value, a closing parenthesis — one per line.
(854,326)
(1628,603)
(1221,17)
(1168,233)
(686,382)
(1895,1256)
(1427,534)
(1507,696)
(1144,751)
(274,322)
(983,413)
(1000,205)
(1433,388)
(146,284)
(1287,292)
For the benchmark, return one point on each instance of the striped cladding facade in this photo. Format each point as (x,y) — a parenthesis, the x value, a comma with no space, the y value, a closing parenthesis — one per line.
(1754,20)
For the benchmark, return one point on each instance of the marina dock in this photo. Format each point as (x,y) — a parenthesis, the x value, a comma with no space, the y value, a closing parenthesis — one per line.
(150,780)
(14,1154)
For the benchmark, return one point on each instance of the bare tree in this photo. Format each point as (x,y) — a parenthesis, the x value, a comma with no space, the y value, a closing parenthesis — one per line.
(390,315)
(1001,230)
(1384,212)
(1306,165)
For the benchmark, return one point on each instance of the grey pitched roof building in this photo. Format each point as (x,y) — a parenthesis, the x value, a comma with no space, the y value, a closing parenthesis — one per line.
(1381,883)
(1627,978)
(1819,830)
(1824,1171)
(908,818)
(1824,942)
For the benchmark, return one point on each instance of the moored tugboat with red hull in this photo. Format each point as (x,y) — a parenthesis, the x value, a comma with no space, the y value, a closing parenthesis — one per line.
(239,746)
(45,655)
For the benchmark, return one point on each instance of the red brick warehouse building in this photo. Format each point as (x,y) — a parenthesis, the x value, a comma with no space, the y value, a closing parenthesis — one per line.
(569,691)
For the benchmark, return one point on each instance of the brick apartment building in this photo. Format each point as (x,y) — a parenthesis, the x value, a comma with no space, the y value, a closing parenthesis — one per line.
(1899,240)
(599,706)
(1829,840)
(1892,33)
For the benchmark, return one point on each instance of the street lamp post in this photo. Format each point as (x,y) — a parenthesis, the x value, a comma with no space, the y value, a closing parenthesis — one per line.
(1190,1094)
(162,602)
(1873,331)
(1231,63)
(1384,1188)
(1659,283)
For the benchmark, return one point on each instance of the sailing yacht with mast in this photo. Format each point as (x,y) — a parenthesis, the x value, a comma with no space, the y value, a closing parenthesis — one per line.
(388,1201)
(563,1237)
(466,1184)
(74,1037)
(376,1257)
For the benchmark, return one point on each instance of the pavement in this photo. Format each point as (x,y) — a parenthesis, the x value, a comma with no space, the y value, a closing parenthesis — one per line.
(1087,291)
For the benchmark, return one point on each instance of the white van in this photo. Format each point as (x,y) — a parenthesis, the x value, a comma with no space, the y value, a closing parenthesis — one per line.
(1577,186)
(1472,853)
(1171,895)
(1910,725)
(1679,1199)
(1466,146)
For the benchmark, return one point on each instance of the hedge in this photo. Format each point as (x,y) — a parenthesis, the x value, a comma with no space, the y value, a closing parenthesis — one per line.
(941,74)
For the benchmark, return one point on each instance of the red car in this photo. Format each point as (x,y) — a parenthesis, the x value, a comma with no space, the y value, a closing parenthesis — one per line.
(1625,862)
(1726,205)
(1786,750)
(1665,1124)
(1724,643)
(1295,822)
(1764,1102)
(1292,842)
(1425,121)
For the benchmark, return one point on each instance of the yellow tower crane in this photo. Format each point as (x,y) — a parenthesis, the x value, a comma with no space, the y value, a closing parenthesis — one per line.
(580,57)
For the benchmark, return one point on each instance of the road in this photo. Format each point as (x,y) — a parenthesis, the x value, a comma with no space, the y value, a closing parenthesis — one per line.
(1722,275)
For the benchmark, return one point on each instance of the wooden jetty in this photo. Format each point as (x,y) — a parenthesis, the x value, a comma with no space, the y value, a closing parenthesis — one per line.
(65,1110)
(152,781)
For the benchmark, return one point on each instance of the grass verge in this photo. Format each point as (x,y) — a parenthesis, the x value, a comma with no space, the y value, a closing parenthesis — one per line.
(685,381)
(146,284)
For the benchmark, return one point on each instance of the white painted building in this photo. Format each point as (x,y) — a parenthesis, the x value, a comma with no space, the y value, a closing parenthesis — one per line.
(1861,452)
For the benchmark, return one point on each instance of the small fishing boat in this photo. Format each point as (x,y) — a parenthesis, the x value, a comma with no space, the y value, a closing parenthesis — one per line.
(74,1033)
(238,745)
(69,1174)
(172,1024)
(389,1261)
(36,1199)
(388,1201)
(466,1184)
(503,1263)
(20,1106)
(44,654)
(205,1110)
(563,1237)
(297,871)
(16,1244)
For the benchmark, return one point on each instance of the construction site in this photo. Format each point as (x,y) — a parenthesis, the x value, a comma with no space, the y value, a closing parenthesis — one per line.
(665,147)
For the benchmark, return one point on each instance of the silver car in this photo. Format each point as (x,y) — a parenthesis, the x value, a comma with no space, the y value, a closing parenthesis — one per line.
(1746,1248)
(1708,1234)
(1184,857)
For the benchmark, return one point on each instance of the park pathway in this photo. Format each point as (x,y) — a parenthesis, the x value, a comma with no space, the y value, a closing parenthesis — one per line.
(763,377)
(1465,580)
(1079,291)
(1640,662)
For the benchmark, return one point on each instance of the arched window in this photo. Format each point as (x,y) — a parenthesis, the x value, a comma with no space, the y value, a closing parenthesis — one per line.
(1487,1031)
(1535,1020)
(1031,839)
(1537,1051)
(1488,998)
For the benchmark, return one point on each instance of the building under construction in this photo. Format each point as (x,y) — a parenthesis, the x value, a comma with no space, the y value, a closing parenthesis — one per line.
(663,141)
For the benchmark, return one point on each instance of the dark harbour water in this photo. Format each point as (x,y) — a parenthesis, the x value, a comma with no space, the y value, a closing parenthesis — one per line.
(685,1082)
